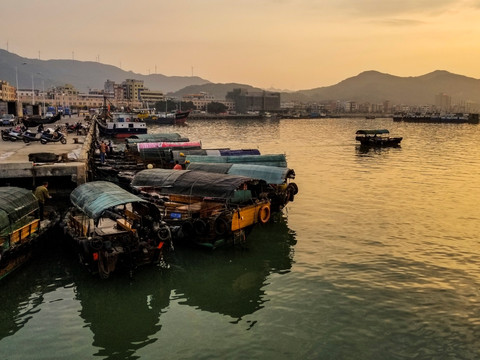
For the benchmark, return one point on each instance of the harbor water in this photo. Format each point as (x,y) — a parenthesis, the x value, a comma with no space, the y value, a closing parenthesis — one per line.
(377,258)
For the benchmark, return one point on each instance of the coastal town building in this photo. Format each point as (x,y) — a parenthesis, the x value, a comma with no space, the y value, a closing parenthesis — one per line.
(248,100)
(150,97)
(202,99)
(7,91)
(132,89)
(443,102)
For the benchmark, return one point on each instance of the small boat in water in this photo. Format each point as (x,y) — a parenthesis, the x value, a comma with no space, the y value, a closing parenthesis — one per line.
(20,227)
(174,118)
(207,209)
(112,229)
(377,138)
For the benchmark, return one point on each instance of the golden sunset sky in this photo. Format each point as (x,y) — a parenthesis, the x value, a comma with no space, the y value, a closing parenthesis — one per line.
(284,44)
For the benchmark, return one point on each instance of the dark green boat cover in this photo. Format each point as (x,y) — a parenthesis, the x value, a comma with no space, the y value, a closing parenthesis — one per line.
(267,160)
(271,174)
(186,182)
(95,197)
(155,138)
(372,132)
(15,204)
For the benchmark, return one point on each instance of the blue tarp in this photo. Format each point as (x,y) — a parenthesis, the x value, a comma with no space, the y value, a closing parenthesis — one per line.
(271,174)
(267,160)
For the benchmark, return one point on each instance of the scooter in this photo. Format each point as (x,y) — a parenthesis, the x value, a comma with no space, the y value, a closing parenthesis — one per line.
(11,134)
(55,136)
(29,136)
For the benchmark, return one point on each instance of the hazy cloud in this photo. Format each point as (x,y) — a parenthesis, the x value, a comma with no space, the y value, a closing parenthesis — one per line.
(400,22)
(394,8)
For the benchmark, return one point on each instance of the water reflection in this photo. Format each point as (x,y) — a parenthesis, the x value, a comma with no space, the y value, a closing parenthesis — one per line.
(124,315)
(231,281)
(24,290)
(372,150)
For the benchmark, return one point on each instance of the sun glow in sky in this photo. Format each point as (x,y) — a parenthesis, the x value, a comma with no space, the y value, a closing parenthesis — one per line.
(284,44)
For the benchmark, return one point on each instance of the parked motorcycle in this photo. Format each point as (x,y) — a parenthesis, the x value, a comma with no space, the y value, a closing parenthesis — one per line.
(29,136)
(77,128)
(53,136)
(12,134)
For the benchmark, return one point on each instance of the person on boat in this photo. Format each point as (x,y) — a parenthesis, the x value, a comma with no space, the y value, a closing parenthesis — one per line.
(177,166)
(42,195)
(103,151)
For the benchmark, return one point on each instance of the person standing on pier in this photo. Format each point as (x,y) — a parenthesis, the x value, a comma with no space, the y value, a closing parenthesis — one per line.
(42,194)
(103,151)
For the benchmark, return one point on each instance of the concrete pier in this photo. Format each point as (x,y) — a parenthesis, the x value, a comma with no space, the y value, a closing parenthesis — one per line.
(18,166)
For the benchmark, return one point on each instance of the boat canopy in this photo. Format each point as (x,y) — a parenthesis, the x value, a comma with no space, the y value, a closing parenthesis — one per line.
(271,174)
(155,137)
(372,132)
(170,145)
(267,160)
(192,183)
(218,152)
(15,204)
(93,198)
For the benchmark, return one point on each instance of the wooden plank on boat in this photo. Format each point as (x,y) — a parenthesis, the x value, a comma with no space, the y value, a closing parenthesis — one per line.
(25,231)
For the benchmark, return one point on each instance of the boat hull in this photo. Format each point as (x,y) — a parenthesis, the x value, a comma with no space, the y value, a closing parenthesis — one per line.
(37,120)
(178,118)
(121,129)
(379,142)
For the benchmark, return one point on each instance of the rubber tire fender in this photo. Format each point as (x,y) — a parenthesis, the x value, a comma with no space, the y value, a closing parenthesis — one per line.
(201,227)
(164,233)
(221,225)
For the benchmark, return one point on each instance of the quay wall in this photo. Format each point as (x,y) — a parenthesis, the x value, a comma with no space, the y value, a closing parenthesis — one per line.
(19,165)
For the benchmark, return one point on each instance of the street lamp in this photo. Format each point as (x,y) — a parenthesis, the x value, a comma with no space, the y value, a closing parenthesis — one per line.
(43,94)
(19,113)
(33,92)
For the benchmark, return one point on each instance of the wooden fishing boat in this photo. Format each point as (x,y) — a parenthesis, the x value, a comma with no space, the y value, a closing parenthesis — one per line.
(174,118)
(281,188)
(377,138)
(120,125)
(21,229)
(207,209)
(113,229)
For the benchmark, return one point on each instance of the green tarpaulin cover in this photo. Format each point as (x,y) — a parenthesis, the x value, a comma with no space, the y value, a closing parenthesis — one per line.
(95,197)
(15,204)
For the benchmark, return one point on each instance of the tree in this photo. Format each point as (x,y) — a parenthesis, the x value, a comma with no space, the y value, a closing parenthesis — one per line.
(216,107)
(188,105)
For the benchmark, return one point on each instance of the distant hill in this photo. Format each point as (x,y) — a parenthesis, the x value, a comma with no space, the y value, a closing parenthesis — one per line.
(369,86)
(83,75)
(217,90)
(373,87)
(376,87)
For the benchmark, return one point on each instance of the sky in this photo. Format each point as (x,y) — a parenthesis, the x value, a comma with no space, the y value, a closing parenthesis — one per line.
(271,44)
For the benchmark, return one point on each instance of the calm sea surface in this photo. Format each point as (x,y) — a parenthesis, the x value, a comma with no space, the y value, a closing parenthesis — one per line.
(377,258)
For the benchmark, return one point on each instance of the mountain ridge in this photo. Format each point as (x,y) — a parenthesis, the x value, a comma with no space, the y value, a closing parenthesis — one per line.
(369,86)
